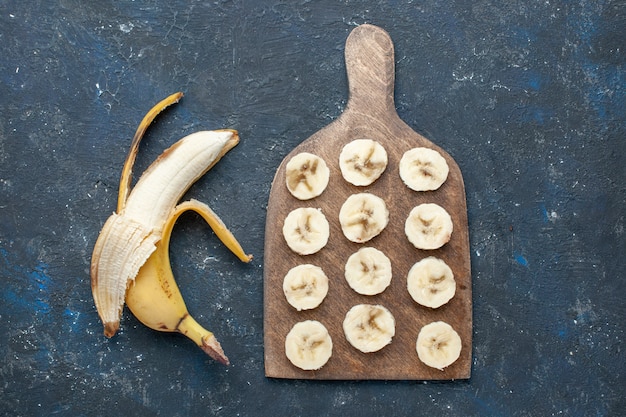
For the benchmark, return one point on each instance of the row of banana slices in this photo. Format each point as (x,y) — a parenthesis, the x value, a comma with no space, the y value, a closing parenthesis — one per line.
(363,216)
(362,162)
(430,282)
(369,328)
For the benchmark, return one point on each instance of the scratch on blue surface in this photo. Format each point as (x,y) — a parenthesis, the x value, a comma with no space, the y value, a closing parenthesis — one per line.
(605,92)
(544,212)
(482,405)
(485,405)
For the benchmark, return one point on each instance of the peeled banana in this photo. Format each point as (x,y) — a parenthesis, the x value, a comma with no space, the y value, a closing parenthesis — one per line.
(130,256)
(305,286)
(368,327)
(307,176)
(362,161)
(306,230)
(428,226)
(438,345)
(363,216)
(431,282)
(423,169)
(368,271)
(308,345)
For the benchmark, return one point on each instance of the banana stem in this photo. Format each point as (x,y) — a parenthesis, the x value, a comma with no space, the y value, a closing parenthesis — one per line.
(203,338)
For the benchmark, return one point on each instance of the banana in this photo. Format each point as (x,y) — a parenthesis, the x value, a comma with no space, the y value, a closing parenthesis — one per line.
(363,216)
(423,169)
(307,176)
(308,345)
(431,282)
(368,271)
(154,297)
(438,345)
(369,328)
(305,286)
(428,226)
(306,230)
(131,250)
(362,161)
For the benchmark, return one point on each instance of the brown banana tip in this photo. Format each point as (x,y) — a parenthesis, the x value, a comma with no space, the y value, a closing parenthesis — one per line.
(212,347)
(111,328)
(235,138)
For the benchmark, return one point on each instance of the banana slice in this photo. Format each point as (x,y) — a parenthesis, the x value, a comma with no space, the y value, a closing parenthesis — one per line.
(306,230)
(438,345)
(431,282)
(423,169)
(369,328)
(308,345)
(307,176)
(305,286)
(362,161)
(428,226)
(368,271)
(363,216)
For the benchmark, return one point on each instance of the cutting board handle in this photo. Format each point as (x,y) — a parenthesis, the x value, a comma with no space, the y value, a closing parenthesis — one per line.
(370,67)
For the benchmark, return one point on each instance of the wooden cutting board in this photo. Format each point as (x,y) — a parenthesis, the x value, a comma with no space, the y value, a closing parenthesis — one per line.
(370,113)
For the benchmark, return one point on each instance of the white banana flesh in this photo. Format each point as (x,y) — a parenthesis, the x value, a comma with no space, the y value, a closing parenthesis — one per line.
(130,261)
(368,271)
(306,230)
(308,345)
(305,286)
(363,216)
(368,327)
(423,169)
(431,282)
(428,226)
(438,345)
(362,161)
(307,176)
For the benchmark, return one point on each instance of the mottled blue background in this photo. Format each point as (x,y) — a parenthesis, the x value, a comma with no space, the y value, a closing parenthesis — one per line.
(527,96)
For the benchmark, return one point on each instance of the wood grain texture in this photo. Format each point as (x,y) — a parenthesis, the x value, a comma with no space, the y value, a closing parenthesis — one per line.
(370,113)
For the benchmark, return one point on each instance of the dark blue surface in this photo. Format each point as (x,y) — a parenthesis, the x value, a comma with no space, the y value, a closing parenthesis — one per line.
(527,96)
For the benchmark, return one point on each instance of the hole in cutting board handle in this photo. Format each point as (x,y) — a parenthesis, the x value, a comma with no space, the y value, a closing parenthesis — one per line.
(370,68)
